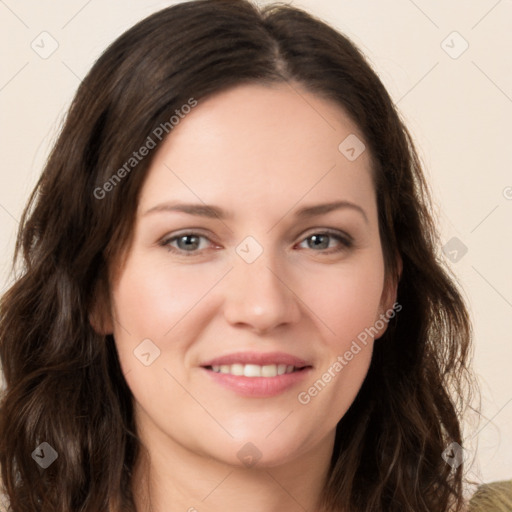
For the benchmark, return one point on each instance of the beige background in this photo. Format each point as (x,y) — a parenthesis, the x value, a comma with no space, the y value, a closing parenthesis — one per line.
(458,107)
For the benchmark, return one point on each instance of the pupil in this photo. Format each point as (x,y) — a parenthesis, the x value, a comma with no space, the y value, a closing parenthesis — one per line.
(319,241)
(191,242)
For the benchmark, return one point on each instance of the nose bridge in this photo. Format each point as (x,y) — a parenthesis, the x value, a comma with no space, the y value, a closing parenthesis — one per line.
(258,296)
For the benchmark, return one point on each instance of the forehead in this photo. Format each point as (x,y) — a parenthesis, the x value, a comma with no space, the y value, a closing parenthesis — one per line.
(259,145)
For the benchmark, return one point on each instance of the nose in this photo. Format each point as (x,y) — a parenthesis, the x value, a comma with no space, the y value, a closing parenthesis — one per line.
(259,297)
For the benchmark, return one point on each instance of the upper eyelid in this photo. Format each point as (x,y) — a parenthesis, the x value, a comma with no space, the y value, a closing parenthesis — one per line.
(190,232)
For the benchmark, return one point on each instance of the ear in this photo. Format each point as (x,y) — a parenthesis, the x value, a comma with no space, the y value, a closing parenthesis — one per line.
(100,315)
(389,307)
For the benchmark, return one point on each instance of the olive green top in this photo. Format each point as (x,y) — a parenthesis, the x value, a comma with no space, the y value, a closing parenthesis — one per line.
(493,497)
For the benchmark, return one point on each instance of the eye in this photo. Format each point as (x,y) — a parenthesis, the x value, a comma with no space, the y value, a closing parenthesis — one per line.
(327,242)
(188,244)
(192,244)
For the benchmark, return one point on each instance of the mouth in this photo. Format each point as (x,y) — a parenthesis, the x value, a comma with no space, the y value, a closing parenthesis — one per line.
(257,374)
(255,370)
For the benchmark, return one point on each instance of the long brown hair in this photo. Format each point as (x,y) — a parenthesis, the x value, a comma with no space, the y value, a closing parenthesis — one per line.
(64,382)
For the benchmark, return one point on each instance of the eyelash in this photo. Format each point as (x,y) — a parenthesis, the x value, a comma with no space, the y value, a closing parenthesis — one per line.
(345,242)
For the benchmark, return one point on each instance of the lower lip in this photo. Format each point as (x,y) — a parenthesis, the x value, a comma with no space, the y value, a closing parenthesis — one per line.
(259,387)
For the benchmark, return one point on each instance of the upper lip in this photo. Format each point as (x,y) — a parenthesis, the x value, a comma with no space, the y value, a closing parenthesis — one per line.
(258,358)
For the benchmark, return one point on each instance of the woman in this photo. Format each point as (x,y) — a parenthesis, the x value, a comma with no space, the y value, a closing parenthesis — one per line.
(231,295)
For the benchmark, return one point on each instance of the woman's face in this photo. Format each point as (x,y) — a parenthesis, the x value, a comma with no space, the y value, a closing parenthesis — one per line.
(245,312)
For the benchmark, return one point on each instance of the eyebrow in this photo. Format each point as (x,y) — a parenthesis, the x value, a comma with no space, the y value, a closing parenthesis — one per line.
(215,212)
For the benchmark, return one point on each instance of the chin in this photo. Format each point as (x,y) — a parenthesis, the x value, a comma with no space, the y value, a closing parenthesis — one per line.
(259,453)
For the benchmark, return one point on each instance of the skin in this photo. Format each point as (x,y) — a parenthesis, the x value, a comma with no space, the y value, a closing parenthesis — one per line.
(262,153)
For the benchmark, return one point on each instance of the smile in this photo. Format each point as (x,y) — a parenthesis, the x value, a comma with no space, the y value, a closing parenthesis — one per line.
(254,370)
(258,375)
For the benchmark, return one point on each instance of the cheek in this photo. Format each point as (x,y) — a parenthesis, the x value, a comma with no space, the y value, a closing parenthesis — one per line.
(151,300)
(346,299)
(347,303)
(155,301)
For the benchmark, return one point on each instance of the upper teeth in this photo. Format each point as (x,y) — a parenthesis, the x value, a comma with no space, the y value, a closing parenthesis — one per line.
(254,370)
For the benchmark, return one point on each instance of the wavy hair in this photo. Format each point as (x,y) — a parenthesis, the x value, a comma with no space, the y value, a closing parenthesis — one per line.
(64,384)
